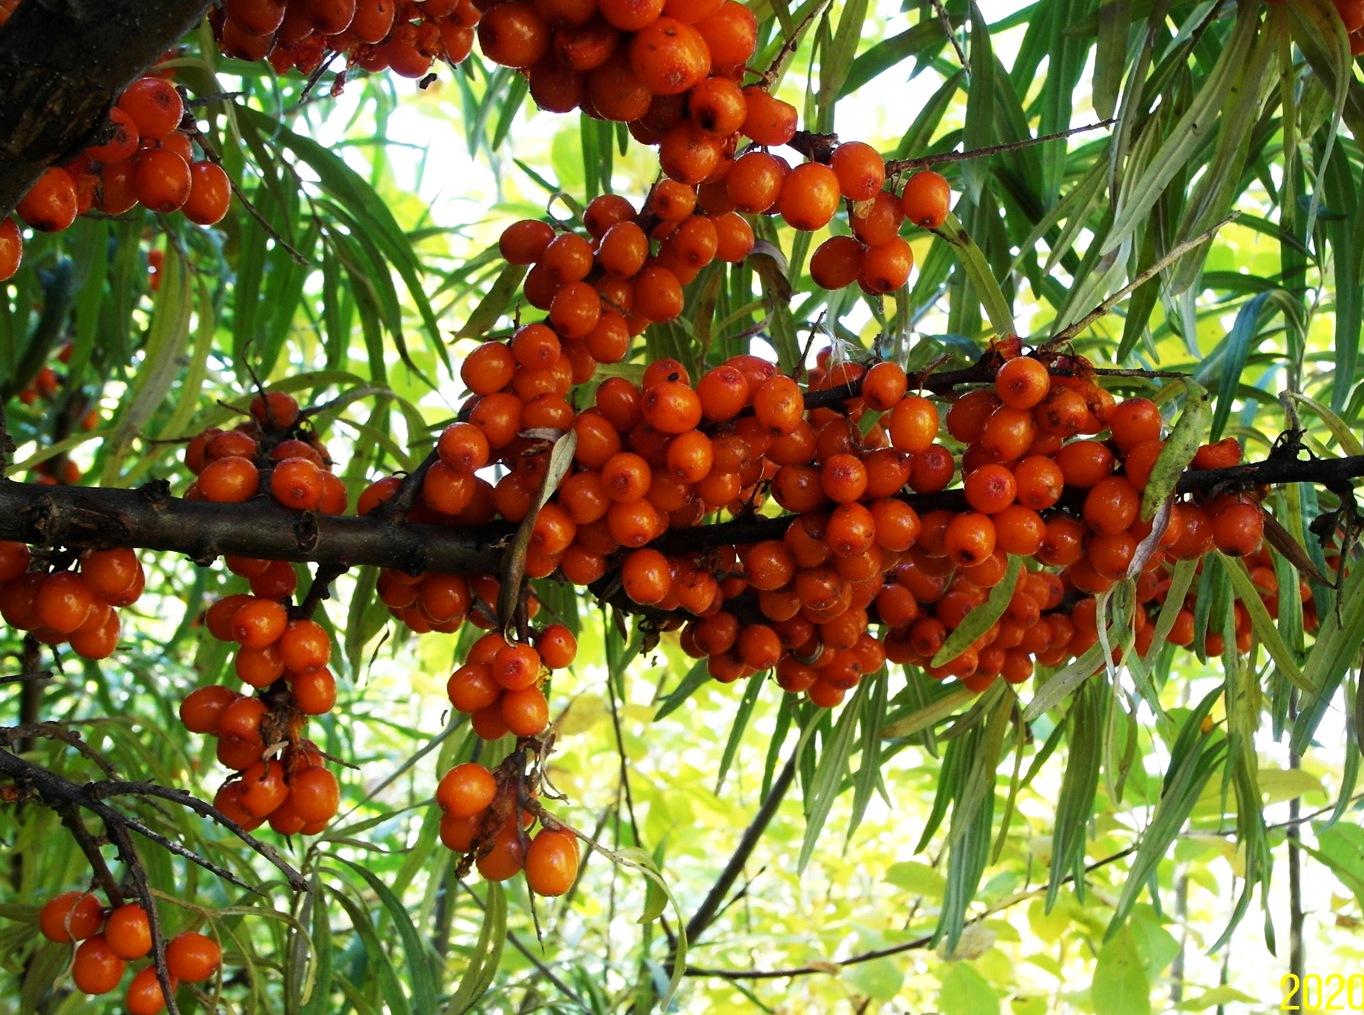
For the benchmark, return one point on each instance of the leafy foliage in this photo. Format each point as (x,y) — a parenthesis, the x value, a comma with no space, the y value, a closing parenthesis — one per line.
(1077,845)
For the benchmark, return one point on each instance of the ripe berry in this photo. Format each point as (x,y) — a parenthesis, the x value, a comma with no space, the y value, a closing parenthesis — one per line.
(314,794)
(926,199)
(192,956)
(525,712)
(162,179)
(129,931)
(1022,382)
(11,248)
(466,790)
(50,204)
(860,169)
(63,602)
(669,56)
(552,862)
(154,105)
(145,996)
(809,196)
(303,645)
(71,916)
(95,968)
(210,194)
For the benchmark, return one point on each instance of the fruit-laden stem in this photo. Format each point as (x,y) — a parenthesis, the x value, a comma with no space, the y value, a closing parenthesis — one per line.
(150,518)
(62,63)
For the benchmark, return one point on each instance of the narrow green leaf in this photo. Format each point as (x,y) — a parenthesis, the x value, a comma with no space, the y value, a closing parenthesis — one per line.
(829,776)
(978,273)
(495,304)
(1340,430)
(485,956)
(980,619)
(1079,783)
(1235,348)
(167,336)
(1190,431)
(1110,55)
(1195,757)
(736,730)
(1186,137)
(1263,625)
(420,961)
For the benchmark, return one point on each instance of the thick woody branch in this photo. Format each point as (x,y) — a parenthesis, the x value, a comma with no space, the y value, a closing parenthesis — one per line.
(62,62)
(150,518)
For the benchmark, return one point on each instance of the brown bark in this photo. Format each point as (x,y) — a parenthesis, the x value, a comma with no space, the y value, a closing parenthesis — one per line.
(62,62)
(152,519)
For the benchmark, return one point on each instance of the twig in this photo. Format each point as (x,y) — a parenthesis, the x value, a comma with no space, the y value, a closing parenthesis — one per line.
(768,77)
(710,906)
(128,854)
(58,790)
(1170,256)
(71,818)
(56,731)
(900,165)
(945,20)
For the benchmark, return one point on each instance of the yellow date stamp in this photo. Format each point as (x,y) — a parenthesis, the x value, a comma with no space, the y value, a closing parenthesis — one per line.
(1313,992)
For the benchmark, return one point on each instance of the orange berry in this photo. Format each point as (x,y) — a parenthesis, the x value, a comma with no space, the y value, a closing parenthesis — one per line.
(926,199)
(552,862)
(513,34)
(210,194)
(314,796)
(809,196)
(192,956)
(524,241)
(768,120)
(466,790)
(886,266)
(128,931)
(669,56)
(162,179)
(71,916)
(11,248)
(50,205)
(154,105)
(96,969)
(145,996)
(837,262)
(525,712)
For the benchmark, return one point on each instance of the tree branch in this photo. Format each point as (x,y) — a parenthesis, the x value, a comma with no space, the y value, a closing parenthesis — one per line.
(150,518)
(62,62)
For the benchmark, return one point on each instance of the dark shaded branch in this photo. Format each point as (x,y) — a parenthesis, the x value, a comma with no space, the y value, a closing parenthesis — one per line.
(58,792)
(150,518)
(62,62)
(710,905)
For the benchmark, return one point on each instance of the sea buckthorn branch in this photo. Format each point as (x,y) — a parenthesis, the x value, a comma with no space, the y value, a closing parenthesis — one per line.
(59,791)
(924,161)
(118,834)
(152,519)
(51,107)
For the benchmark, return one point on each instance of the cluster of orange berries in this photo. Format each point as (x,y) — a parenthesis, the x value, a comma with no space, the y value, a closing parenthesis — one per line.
(482,818)
(376,35)
(501,684)
(671,69)
(272,450)
(1040,482)
(148,158)
(280,776)
(283,658)
(69,605)
(107,939)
